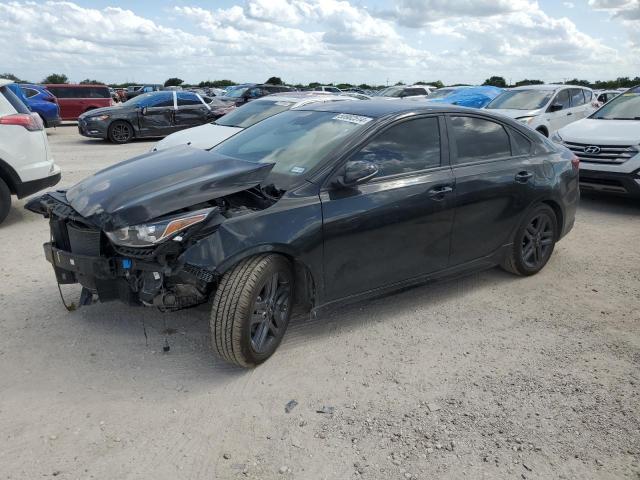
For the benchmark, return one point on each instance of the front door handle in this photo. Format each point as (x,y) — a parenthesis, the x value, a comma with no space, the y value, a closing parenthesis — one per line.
(523,177)
(570,113)
(438,193)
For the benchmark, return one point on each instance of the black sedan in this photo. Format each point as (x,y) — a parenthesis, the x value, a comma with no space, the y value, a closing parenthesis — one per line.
(311,208)
(154,114)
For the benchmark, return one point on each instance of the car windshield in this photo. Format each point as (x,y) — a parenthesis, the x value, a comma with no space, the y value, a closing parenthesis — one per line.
(253,112)
(296,141)
(441,93)
(624,107)
(392,92)
(237,92)
(521,99)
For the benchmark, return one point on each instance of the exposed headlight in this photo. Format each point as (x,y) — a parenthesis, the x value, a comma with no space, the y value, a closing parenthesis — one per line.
(526,120)
(100,118)
(556,138)
(149,234)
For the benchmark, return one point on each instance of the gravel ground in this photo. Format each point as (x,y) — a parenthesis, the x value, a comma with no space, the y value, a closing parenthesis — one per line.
(490,376)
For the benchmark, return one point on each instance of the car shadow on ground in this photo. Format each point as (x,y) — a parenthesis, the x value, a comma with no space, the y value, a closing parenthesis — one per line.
(609,204)
(187,332)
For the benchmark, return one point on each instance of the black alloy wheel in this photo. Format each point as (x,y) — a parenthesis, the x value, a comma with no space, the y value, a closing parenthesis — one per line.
(251,309)
(270,312)
(120,132)
(533,242)
(537,241)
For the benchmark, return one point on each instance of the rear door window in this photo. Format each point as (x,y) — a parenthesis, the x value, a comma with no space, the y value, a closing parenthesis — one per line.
(563,98)
(15,102)
(476,139)
(577,97)
(403,148)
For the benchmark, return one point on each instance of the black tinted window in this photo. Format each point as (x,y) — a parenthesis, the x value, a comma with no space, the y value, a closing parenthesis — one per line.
(477,139)
(14,100)
(414,91)
(577,97)
(30,92)
(161,100)
(563,99)
(406,147)
(521,144)
(185,99)
(80,92)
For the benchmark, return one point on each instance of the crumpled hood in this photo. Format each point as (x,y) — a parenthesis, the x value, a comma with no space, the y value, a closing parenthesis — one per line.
(204,136)
(602,132)
(155,184)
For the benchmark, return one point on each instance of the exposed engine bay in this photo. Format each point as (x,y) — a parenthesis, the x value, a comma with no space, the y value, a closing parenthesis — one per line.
(155,275)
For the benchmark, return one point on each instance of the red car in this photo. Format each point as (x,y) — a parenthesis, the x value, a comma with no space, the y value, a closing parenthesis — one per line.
(74,100)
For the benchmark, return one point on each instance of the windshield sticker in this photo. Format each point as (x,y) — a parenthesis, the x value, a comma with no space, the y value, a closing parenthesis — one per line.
(283,104)
(297,170)
(357,119)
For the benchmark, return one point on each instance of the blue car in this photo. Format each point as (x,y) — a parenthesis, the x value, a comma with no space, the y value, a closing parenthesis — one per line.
(472,97)
(40,101)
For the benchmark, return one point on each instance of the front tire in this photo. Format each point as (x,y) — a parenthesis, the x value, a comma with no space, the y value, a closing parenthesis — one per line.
(533,243)
(5,200)
(120,132)
(251,309)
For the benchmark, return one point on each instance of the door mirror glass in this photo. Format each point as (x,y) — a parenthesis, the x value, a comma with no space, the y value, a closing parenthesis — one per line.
(357,172)
(555,107)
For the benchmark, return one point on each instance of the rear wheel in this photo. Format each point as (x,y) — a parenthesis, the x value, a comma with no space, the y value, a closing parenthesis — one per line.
(120,132)
(533,243)
(251,309)
(5,200)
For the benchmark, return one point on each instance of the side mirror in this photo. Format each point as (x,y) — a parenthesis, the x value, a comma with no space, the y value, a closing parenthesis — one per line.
(555,107)
(357,172)
(143,111)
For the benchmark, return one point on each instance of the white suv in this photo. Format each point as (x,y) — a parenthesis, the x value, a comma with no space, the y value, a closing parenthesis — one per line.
(545,108)
(26,166)
(608,146)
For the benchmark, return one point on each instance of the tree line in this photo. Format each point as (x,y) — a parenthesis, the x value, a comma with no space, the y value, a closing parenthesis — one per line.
(496,81)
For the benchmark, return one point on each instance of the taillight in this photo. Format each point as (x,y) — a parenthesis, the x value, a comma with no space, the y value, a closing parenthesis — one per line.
(575,161)
(30,121)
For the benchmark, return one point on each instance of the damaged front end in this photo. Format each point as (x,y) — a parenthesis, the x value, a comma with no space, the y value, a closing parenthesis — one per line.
(130,246)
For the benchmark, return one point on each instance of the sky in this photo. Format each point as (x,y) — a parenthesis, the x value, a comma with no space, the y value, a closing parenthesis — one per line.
(329,41)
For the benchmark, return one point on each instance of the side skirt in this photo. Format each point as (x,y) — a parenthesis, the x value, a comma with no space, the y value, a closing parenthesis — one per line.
(449,273)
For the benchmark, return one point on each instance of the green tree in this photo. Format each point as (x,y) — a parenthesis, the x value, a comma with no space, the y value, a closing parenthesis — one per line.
(274,81)
(496,81)
(56,78)
(528,82)
(400,83)
(437,83)
(575,81)
(88,81)
(11,76)
(173,82)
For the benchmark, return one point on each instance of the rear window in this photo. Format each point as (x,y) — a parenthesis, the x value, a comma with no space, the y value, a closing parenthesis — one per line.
(15,102)
(79,92)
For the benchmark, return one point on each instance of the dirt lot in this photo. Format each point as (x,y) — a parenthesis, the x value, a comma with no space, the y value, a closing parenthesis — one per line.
(491,376)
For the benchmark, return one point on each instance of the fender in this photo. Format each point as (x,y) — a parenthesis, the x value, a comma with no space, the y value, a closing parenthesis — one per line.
(9,175)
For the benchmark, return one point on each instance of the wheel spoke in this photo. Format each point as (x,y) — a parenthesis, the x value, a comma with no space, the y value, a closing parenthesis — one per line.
(528,252)
(261,335)
(257,318)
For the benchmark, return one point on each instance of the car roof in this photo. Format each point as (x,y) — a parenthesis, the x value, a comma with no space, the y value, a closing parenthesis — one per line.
(74,85)
(548,86)
(379,108)
(5,81)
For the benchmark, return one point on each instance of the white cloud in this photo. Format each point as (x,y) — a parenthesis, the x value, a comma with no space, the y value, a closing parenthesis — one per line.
(307,40)
(569,4)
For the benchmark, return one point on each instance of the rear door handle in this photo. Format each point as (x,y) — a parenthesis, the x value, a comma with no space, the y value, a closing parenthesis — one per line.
(438,193)
(523,177)
(570,113)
